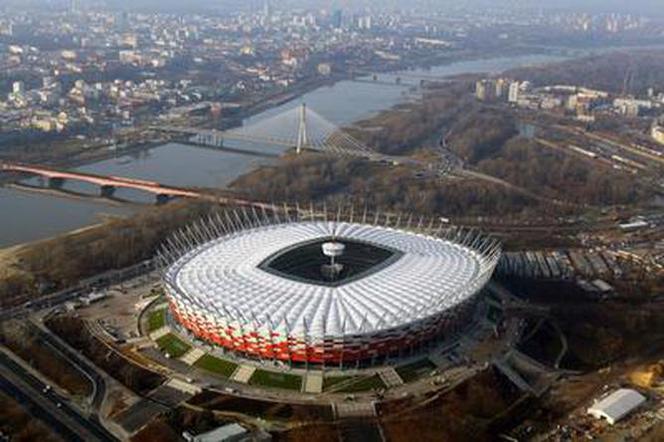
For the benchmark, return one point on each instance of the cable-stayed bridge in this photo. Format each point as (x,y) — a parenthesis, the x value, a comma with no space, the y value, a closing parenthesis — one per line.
(300,128)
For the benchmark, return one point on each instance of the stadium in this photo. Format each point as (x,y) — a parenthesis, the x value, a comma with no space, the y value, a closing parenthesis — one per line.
(296,286)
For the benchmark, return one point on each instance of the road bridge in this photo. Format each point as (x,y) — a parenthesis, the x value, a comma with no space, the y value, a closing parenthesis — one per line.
(163,192)
(398,77)
(374,80)
(107,184)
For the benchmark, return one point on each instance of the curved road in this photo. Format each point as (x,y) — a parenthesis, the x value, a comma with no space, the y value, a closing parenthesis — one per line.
(44,403)
(82,364)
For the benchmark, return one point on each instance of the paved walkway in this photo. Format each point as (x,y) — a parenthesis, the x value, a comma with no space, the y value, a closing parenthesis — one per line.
(354,409)
(160,332)
(313,383)
(192,356)
(243,374)
(390,377)
(183,386)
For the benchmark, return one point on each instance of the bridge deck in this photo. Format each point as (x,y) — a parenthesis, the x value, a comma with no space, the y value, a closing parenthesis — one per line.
(101,180)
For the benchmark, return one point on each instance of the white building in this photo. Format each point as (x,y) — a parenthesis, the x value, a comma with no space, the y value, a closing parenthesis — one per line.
(631,107)
(513,94)
(18,87)
(617,405)
(227,433)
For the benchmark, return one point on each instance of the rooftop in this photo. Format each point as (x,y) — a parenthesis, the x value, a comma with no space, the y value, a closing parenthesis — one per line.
(270,275)
(617,405)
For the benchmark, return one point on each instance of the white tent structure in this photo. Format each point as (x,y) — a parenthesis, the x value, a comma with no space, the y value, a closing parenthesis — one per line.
(617,405)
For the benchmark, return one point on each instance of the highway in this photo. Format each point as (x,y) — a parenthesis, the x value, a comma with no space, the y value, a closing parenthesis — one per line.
(36,410)
(48,405)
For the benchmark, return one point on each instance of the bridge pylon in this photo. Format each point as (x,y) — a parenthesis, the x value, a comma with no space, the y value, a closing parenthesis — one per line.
(302,140)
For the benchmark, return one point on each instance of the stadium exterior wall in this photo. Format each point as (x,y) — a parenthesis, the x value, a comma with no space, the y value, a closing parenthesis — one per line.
(342,351)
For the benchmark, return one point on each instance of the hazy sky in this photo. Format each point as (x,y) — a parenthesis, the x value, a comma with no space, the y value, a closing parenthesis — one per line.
(655,7)
(641,6)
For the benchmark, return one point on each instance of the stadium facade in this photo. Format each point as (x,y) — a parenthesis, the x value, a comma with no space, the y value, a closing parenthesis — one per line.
(298,286)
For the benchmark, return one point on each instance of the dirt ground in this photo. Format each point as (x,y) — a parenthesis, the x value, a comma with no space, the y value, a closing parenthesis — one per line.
(118,312)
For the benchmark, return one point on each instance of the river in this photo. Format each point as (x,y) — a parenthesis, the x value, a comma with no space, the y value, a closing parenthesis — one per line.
(29,216)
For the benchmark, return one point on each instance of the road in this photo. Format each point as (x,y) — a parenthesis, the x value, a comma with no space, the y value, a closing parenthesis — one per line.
(101,281)
(88,368)
(20,384)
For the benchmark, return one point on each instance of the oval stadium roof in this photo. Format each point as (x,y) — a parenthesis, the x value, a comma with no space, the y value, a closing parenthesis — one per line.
(227,279)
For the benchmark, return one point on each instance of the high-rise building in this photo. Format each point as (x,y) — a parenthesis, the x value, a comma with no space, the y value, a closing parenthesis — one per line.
(501,86)
(337,18)
(513,93)
(480,90)
(571,102)
(122,21)
(364,22)
(485,90)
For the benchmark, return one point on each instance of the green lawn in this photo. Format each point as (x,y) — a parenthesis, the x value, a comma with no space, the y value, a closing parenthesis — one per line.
(156,320)
(277,380)
(415,370)
(173,345)
(352,384)
(216,365)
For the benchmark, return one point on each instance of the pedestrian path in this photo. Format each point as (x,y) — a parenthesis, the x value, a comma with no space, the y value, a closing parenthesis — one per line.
(354,409)
(243,374)
(313,383)
(390,377)
(160,332)
(192,356)
(183,386)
